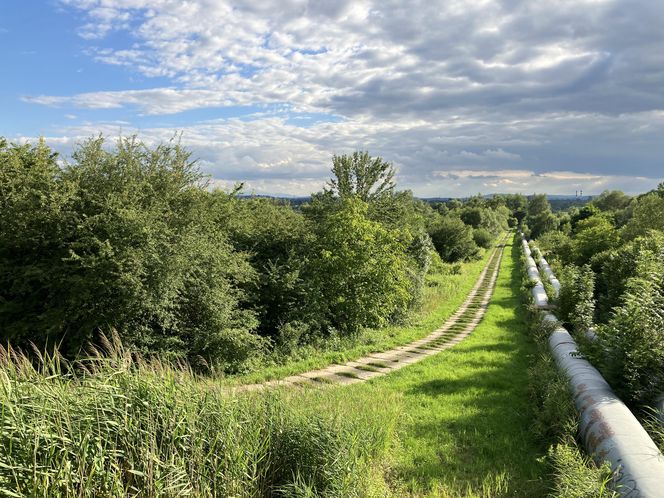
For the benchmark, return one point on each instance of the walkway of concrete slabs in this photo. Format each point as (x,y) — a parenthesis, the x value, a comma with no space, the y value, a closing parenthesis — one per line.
(457,327)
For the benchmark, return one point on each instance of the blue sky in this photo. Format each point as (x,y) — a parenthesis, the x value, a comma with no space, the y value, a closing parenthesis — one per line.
(463,97)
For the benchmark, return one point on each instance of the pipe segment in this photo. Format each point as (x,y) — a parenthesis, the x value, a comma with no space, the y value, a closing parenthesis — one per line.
(539,294)
(549,274)
(609,431)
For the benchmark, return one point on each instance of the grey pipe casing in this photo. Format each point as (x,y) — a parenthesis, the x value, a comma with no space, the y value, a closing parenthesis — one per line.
(539,294)
(609,431)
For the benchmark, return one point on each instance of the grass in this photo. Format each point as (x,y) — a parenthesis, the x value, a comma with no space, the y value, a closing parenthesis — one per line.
(443,294)
(120,426)
(465,431)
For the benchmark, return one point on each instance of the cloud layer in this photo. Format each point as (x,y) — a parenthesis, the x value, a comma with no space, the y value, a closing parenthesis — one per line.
(440,88)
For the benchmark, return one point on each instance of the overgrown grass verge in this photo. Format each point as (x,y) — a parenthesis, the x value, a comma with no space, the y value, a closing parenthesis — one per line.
(443,294)
(123,427)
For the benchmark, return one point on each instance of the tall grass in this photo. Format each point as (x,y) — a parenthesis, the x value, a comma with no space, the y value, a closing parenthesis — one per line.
(118,425)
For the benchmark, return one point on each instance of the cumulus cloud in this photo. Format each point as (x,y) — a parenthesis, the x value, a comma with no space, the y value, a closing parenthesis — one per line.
(553,87)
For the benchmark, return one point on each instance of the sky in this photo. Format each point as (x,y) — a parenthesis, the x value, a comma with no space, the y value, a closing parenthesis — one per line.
(461,96)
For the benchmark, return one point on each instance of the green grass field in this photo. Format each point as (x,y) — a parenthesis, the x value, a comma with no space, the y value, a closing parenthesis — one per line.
(465,424)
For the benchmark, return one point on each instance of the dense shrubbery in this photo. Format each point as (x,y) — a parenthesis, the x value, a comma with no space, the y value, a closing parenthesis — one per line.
(621,243)
(121,240)
(130,238)
(575,302)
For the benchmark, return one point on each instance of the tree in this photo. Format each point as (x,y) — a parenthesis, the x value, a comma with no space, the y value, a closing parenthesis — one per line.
(594,236)
(611,200)
(453,240)
(123,240)
(359,268)
(361,175)
(539,217)
(647,214)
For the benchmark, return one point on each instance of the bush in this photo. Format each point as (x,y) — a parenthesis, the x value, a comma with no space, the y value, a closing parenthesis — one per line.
(119,240)
(633,339)
(276,239)
(593,236)
(359,269)
(557,247)
(576,301)
(617,267)
(482,238)
(453,240)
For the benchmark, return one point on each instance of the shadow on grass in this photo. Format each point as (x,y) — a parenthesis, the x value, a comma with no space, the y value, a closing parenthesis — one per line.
(478,413)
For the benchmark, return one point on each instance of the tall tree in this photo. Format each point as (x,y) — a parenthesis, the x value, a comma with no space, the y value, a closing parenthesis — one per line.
(362,176)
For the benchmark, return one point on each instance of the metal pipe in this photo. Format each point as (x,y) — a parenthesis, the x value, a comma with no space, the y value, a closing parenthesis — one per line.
(609,431)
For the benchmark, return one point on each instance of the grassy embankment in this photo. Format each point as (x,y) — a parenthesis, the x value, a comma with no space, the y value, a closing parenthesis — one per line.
(443,294)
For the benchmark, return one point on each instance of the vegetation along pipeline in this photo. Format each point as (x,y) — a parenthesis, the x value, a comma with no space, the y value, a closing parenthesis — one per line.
(607,427)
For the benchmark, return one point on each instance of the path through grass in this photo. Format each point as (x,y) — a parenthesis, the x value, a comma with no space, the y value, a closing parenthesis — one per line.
(465,424)
(443,294)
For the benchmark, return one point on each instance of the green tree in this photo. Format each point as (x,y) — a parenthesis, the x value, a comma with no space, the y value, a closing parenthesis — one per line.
(633,339)
(611,200)
(130,246)
(539,217)
(453,240)
(594,235)
(360,269)
(361,175)
(647,214)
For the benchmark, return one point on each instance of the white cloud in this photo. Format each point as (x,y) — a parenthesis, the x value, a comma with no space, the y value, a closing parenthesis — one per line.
(273,156)
(548,89)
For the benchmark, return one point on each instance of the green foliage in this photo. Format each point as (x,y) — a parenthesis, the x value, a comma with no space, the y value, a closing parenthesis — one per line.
(359,269)
(539,218)
(361,175)
(276,239)
(647,214)
(613,200)
(127,427)
(557,247)
(483,238)
(593,235)
(633,338)
(575,475)
(453,240)
(119,239)
(617,267)
(576,301)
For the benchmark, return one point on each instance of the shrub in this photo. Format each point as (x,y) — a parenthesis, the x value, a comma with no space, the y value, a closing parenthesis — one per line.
(453,240)
(593,235)
(576,300)
(482,238)
(359,269)
(618,266)
(557,247)
(119,239)
(539,217)
(633,339)
(276,239)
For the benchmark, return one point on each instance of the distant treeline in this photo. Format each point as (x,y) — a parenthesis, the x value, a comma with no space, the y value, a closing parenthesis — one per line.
(131,238)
